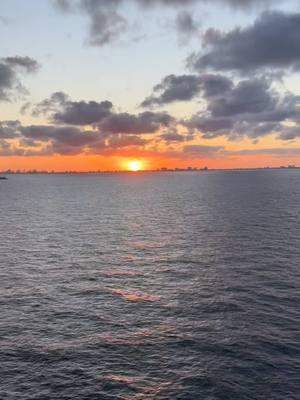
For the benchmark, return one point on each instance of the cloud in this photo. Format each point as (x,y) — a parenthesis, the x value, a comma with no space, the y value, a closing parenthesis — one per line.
(8,129)
(250,108)
(63,5)
(186,26)
(184,3)
(26,64)
(173,137)
(120,141)
(174,88)
(272,42)
(65,111)
(143,123)
(10,70)
(68,133)
(62,110)
(289,132)
(71,136)
(203,151)
(209,126)
(92,5)
(116,131)
(55,102)
(106,27)
(186,87)
(7,149)
(277,152)
(49,140)
(83,113)
(107,24)
(251,96)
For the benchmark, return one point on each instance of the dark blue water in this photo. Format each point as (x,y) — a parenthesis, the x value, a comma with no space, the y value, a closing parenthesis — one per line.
(150,286)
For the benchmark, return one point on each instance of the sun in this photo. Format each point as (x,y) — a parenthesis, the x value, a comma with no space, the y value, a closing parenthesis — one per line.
(134,166)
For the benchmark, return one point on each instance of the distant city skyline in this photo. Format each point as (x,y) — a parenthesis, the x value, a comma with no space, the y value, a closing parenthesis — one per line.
(163,169)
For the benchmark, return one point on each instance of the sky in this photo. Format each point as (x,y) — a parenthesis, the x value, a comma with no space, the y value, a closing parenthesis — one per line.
(96,84)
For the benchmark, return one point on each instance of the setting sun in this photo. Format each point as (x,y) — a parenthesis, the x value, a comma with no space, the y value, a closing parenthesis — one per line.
(134,166)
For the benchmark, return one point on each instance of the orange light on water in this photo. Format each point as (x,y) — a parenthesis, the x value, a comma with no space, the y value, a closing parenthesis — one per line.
(135,166)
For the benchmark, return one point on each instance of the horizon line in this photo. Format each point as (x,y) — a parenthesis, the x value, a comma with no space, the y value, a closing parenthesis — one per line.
(161,170)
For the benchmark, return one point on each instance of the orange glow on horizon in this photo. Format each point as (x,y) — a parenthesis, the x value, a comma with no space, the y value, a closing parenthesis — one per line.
(150,161)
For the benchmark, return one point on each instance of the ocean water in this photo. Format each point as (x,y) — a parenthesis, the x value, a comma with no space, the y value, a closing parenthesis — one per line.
(150,286)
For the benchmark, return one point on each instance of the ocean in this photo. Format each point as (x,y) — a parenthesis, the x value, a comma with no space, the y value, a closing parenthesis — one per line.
(178,286)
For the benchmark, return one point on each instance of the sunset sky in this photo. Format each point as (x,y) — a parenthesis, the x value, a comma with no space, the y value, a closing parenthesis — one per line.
(98,84)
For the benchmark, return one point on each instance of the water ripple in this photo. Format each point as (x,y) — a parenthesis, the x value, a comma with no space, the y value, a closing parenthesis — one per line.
(150,286)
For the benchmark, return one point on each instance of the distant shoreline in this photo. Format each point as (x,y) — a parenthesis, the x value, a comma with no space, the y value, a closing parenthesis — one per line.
(34,172)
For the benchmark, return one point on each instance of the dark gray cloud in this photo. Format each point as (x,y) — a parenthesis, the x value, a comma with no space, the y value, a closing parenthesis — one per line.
(55,102)
(68,136)
(64,140)
(107,24)
(218,152)
(92,5)
(47,140)
(110,130)
(186,26)
(272,42)
(63,5)
(290,132)
(143,123)
(172,3)
(11,68)
(62,110)
(7,149)
(277,152)
(251,96)
(174,88)
(187,87)
(185,23)
(106,27)
(95,5)
(250,108)
(83,113)
(202,151)
(121,141)
(173,137)
(8,129)
(25,64)
(210,127)
(8,81)
(65,111)
(56,139)
(184,3)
